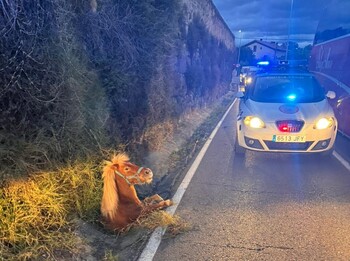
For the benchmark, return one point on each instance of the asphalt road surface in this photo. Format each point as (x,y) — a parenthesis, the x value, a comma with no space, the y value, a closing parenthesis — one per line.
(263,206)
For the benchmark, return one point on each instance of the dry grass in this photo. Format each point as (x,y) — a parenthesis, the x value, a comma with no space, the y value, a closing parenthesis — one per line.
(175,224)
(35,213)
(158,134)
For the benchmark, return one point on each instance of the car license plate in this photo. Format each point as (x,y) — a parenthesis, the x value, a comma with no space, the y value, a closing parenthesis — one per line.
(288,138)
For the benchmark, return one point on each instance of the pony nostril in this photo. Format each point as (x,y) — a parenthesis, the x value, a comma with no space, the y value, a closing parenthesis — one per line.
(148,172)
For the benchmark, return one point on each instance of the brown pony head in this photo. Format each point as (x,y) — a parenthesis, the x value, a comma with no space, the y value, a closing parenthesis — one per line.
(131,173)
(120,169)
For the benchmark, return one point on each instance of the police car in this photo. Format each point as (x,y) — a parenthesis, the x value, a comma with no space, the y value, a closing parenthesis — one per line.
(285,111)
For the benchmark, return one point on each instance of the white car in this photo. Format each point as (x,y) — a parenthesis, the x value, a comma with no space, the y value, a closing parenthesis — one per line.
(247,74)
(285,112)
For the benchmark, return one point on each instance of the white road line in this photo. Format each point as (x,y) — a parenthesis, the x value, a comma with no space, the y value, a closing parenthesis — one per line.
(337,82)
(156,237)
(342,160)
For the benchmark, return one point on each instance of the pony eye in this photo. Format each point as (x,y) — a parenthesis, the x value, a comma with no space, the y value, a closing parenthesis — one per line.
(126,168)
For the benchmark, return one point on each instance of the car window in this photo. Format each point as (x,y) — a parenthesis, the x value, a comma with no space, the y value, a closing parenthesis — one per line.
(286,88)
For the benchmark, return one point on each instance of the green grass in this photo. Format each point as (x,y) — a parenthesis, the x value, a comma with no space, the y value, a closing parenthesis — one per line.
(36,213)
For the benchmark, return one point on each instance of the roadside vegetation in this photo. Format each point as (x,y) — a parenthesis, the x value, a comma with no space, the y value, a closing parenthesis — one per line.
(38,213)
(79,79)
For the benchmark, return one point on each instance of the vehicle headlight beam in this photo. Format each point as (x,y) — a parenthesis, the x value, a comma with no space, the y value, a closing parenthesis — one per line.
(254,122)
(324,123)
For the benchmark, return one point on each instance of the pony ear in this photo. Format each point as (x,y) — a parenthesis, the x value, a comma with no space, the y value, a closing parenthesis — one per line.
(116,166)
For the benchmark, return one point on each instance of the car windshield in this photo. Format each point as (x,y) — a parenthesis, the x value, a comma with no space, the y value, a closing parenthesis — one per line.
(286,88)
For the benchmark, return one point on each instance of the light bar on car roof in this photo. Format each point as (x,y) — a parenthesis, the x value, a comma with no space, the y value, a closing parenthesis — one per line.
(263,63)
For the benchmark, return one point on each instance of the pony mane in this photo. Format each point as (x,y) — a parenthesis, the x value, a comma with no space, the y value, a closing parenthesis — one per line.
(120,158)
(110,199)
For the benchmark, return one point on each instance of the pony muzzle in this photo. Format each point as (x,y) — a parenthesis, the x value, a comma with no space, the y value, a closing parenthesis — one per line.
(148,175)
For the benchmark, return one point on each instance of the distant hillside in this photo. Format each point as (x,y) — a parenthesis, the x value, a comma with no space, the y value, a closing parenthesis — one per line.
(79,77)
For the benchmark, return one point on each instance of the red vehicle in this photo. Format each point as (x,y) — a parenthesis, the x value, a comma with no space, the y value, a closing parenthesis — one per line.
(330,58)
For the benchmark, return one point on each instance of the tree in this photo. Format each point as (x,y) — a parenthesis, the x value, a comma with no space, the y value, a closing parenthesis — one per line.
(246,56)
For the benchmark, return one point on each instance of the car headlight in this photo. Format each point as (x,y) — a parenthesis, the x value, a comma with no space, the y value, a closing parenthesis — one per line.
(248,80)
(324,123)
(254,122)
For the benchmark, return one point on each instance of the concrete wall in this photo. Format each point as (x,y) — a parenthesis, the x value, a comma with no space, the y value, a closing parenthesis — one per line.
(215,24)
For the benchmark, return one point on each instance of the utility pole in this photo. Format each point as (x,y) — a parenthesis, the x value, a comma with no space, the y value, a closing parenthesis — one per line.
(239,49)
(289,25)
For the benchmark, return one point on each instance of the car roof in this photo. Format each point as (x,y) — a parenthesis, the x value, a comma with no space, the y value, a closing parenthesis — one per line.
(283,71)
(262,74)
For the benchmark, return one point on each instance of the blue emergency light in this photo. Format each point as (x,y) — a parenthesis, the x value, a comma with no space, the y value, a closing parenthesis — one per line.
(263,63)
(291,97)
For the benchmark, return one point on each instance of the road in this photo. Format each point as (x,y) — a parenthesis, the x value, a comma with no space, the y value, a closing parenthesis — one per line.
(263,206)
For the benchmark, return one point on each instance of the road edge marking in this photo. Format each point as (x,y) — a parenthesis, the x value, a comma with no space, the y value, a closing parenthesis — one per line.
(156,237)
(341,160)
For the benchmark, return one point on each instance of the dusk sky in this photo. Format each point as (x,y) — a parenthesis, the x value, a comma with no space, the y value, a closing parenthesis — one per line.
(269,19)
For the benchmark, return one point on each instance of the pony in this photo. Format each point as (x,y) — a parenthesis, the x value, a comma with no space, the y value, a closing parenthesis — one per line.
(120,205)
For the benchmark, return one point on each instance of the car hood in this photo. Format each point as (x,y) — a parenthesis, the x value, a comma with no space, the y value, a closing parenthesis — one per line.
(270,112)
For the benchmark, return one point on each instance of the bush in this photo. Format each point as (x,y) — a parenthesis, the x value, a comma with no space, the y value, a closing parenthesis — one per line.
(80,76)
(52,108)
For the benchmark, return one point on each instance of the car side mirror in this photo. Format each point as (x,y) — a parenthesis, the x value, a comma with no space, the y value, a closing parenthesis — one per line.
(331,94)
(240,94)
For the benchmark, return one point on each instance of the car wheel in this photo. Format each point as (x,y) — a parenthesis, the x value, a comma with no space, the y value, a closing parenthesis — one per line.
(238,149)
